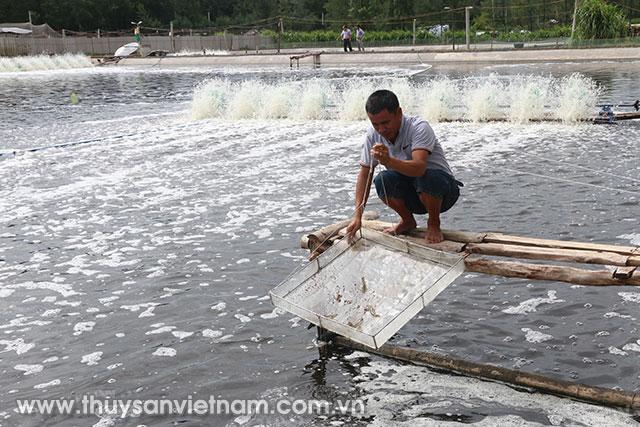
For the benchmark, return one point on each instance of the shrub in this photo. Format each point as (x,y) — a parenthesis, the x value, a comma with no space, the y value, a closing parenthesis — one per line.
(598,20)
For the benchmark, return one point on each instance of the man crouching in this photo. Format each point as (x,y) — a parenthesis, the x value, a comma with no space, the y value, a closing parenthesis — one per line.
(417,179)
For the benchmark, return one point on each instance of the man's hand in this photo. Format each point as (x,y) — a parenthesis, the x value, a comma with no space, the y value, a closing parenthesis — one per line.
(353,228)
(380,152)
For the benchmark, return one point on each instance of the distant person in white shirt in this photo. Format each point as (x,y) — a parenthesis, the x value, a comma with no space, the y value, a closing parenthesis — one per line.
(360,39)
(346,38)
(417,179)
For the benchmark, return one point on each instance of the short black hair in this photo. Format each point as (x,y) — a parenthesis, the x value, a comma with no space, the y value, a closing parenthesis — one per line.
(382,100)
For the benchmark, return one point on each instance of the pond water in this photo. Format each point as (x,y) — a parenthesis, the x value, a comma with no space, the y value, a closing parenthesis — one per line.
(144,220)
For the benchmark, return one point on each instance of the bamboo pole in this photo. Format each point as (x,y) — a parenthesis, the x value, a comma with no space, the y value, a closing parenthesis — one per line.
(557,254)
(530,241)
(621,260)
(553,273)
(320,240)
(587,393)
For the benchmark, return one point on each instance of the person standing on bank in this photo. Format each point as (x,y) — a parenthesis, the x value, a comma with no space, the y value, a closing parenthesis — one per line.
(346,38)
(417,179)
(360,38)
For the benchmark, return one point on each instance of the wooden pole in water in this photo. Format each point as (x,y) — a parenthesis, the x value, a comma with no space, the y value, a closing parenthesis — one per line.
(319,241)
(554,273)
(587,393)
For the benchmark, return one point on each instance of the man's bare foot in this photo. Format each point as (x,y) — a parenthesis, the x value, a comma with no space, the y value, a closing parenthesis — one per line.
(433,235)
(403,227)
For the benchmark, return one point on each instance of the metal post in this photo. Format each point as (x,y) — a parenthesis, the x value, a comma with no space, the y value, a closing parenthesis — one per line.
(31,43)
(575,12)
(171,39)
(98,32)
(414,31)
(453,36)
(466,23)
(279,33)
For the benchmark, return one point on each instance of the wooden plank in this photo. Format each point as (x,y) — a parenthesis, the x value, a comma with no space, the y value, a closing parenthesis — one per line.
(627,116)
(530,241)
(587,393)
(557,254)
(445,246)
(624,272)
(553,273)
(452,235)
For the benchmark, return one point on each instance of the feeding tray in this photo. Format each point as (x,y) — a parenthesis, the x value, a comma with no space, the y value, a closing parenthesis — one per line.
(368,290)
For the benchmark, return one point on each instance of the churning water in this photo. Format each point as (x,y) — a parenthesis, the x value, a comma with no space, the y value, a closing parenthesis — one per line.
(136,252)
(43,62)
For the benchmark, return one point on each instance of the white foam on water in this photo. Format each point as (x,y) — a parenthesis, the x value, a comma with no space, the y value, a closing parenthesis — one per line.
(520,100)
(439,98)
(482,98)
(527,99)
(106,421)
(611,314)
(6,292)
(617,351)
(401,395)
(161,330)
(263,233)
(64,290)
(356,355)
(165,352)
(219,306)
(52,383)
(92,358)
(352,98)
(29,369)
(181,334)
(106,301)
(18,345)
(531,305)
(242,318)
(577,98)
(81,327)
(630,296)
(21,322)
(536,336)
(634,346)
(274,313)
(634,238)
(44,63)
(210,333)
(136,307)
(69,303)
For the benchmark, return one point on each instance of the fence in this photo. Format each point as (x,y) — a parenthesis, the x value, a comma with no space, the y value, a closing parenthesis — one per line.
(14,46)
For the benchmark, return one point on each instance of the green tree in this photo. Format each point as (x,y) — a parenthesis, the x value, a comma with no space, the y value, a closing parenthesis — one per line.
(598,20)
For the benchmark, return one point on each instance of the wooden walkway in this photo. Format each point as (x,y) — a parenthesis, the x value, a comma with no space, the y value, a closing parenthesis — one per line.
(622,263)
(622,269)
(297,58)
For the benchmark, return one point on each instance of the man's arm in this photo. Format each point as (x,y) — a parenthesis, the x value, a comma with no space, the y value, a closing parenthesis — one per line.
(363,187)
(414,167)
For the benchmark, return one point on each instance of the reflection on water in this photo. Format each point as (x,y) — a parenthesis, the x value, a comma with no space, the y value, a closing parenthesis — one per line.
(138,265)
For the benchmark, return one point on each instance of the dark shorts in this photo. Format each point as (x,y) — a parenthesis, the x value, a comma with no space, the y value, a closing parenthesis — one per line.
(434,182)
